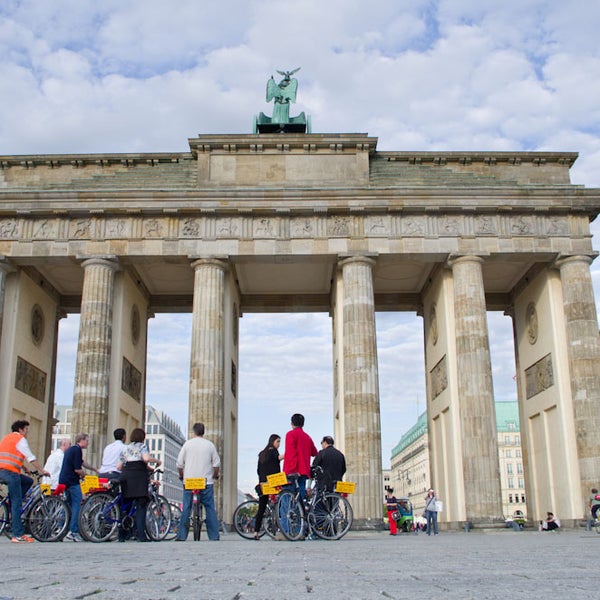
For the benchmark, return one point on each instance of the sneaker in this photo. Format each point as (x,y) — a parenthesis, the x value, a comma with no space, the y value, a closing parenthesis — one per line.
(23,539)
(73,537)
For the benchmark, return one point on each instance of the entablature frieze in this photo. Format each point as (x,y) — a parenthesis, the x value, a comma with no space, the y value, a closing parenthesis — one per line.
(287,225)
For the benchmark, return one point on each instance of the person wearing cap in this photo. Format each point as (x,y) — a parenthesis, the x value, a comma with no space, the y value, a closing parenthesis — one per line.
(431,511)
(332,461)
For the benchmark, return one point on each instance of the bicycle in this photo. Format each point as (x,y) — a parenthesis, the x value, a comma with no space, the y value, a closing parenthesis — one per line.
(175,520)
(196,515)
(244,518)
(325,514)
(104,511)
(46,517)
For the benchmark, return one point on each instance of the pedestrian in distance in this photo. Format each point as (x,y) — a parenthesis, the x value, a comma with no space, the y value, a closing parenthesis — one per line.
(594,503)
(333,463)
(431,511)
(71,474)
(550,523)
(391,506)
(299,449)
(268,464)
(14,451)
(198,458)
(135,477)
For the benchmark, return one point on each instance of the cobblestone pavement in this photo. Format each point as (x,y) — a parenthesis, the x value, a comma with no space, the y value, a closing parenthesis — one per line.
(365,565)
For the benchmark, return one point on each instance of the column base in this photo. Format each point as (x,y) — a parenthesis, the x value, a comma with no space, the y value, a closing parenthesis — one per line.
(368,525)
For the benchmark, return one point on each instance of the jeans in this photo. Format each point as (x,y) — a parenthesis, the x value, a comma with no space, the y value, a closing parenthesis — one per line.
(207,498)
(431,516)
(302,479)
(74,497)
(17,488)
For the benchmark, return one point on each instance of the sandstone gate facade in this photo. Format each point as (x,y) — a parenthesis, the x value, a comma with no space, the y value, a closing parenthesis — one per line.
(314,222)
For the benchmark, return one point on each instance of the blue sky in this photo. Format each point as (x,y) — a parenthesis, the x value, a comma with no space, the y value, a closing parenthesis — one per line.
(81,76)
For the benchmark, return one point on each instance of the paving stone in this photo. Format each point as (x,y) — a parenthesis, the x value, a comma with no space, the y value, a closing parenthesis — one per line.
(365,565)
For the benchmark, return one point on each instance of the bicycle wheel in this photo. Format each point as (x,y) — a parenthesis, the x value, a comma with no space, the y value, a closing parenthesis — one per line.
(244,518)
(99,517)
(269,524)
(196,521)
(158,518)
(175,519)
(330,518)
(49,519)
(4,514)
(290,516)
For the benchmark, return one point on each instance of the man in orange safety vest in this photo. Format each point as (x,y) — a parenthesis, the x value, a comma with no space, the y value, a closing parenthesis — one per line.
(14,450)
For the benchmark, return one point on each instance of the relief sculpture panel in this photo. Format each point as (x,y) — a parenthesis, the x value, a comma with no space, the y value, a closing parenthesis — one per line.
(539,376)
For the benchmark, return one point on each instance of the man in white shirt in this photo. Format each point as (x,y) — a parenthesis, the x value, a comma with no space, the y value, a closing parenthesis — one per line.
(54,463)
(112,455)
(198,458)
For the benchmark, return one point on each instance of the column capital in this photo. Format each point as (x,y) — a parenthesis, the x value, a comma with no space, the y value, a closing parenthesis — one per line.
(107,260)
(455,259)
(216,261)
(564,259)
(5,265)
(368,259)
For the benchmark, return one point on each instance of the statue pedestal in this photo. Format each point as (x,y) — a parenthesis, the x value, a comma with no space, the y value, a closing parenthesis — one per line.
(289,160)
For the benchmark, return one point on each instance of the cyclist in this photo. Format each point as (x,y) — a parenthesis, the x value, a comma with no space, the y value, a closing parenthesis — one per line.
(332,461)
(14,450)
(198,458)
(71,472)
(112,455)
(268,464)
(54,463)
(299,448)
(135,477)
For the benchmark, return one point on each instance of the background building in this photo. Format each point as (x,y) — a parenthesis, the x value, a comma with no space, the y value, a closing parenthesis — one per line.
(164,439)
(410,473)
(511,461)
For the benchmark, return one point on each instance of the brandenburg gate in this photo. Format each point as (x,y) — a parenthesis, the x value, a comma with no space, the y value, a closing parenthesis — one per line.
(276,222)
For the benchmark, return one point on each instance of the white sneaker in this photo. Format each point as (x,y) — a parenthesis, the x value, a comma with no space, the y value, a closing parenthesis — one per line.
(73,537)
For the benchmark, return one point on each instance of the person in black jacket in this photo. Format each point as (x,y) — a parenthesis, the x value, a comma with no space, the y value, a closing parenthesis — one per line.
(268,464)
(332,461)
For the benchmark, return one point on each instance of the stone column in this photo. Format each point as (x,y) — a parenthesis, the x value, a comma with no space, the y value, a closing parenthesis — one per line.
(583,348)
(362,424)
(483,501)
(92,372)
(207,376)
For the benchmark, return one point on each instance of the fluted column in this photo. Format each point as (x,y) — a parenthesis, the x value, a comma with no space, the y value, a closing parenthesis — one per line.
(583,348)
(92,372)
(483,501)
(362,424)
(207,377)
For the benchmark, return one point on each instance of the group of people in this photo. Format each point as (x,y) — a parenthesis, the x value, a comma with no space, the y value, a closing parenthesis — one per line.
(129,464)
(430,512)
(299,450)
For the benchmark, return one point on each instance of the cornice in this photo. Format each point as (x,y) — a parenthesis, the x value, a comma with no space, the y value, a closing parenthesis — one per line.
(490,158)
(53,161)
